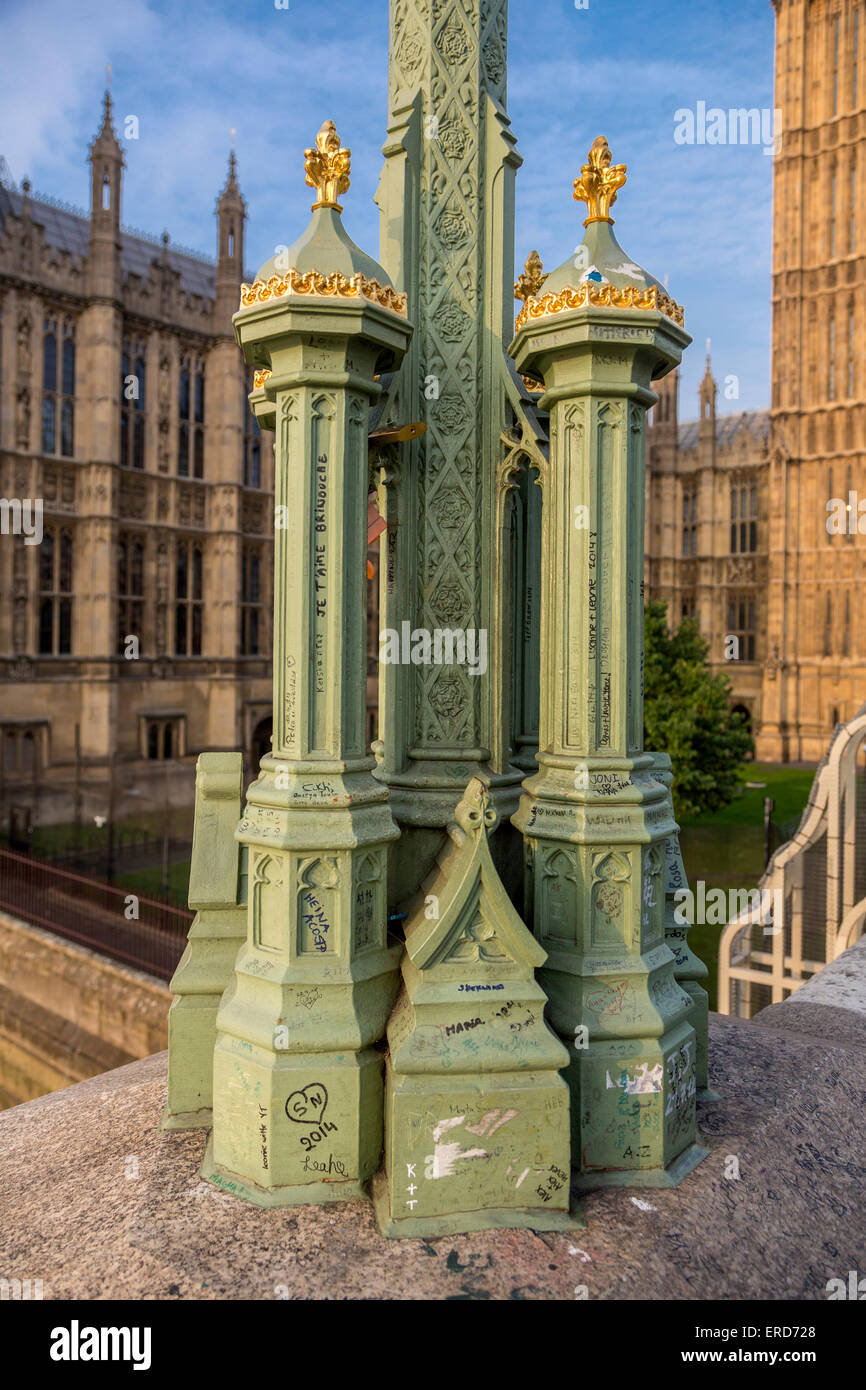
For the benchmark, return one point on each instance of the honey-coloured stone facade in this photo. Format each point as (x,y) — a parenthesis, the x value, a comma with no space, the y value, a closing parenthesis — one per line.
(123,407)
(792,594)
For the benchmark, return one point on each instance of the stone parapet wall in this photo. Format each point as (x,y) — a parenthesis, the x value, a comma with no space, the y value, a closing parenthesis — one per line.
(68,1013)
(831,1006)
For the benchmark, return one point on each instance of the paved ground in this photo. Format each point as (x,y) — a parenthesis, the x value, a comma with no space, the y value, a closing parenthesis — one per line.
(99,1204)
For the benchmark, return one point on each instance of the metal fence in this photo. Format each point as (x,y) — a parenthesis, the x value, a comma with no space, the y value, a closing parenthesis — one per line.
(95,914)
(818,880)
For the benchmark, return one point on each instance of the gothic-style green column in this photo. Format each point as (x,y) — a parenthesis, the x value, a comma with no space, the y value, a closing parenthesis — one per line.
(447,203)
(595,819)
(689,970)
(297,1103)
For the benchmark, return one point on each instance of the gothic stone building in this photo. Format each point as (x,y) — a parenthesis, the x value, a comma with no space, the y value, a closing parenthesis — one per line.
(706,530)
(140,626)
(773,574)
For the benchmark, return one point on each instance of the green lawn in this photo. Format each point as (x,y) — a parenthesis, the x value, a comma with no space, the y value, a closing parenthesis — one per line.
(148,882)
(788,786)
(726,849)
(48,840)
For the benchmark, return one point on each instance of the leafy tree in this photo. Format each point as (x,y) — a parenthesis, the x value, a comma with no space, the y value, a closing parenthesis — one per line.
(687,714)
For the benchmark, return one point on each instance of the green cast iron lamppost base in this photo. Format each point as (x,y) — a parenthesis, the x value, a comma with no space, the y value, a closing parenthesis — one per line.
(595,819)
(297,1081)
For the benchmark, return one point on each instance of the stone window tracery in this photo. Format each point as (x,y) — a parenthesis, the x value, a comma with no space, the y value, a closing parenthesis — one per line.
(190,444)
(133,405)
(55,592)
(58,387)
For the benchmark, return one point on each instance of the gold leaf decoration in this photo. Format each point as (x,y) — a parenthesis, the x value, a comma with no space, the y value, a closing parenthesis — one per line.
(529,283)
(599,182)
(335,286)
(600,296)
(327,167)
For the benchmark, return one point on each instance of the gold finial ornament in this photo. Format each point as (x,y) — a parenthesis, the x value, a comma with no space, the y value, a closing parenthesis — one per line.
(599,182)
(327,168)
(532,278)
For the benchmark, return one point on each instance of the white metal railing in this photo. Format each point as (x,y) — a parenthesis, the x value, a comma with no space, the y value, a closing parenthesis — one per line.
(776,962)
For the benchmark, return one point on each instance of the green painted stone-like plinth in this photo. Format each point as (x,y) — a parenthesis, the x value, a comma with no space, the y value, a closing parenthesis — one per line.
(636,1114)
(476,1113)
(217,890)
(475,1156)
(465,1222)
(689,970)
(282,1123)
(338,1191)
(672,1176)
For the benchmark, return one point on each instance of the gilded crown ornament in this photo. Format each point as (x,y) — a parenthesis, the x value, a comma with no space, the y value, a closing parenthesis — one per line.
(532,278)
(600,296)
(327,168)
(599,182)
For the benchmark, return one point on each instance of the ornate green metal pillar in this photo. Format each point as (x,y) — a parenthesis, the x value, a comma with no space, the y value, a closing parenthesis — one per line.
(447,203)
(595,819)
(297,1104)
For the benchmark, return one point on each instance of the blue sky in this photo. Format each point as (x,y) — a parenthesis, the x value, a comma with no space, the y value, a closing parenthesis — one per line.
(190,70)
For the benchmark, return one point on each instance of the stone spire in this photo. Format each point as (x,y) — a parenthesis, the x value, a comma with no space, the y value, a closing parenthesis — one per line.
(231,212)
(106,173)
(664,431)
(707,396)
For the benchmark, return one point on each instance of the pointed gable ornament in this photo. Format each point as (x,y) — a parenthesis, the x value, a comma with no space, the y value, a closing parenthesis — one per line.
(476,1113)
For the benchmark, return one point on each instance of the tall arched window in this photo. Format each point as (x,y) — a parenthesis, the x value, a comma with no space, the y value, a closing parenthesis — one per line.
(49,387)
(130,590)
(831,357)
(742,623)
(831,231)
(251,598)
(58,388)
(188,586)
(744,519)
(55,593)
(133,404)
(252,444)
(190,444)
(690,521)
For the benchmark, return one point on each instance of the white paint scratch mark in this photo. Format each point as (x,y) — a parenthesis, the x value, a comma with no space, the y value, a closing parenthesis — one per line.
(444,1125)
(445,1157)
(480,1128)
(643,1206)
(509,1115)
(584,1258)
(522,1176)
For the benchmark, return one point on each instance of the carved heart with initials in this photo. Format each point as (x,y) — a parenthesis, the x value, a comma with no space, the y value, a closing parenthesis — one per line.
(307,1107)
